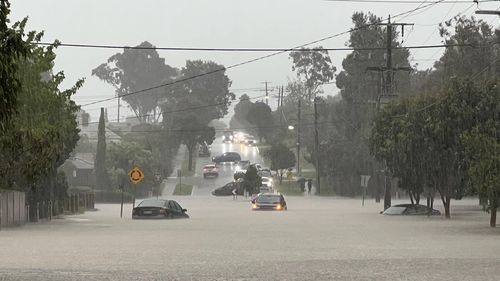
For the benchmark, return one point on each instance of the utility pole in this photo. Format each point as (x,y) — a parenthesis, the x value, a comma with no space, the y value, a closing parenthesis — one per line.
(118,117)
(267,93)
(298,139)
(388,92)
(316,146)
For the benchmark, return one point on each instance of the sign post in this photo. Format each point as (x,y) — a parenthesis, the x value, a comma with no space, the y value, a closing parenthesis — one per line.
(120,186)
(135,175)
(179,175)
(364,185)
(158,179)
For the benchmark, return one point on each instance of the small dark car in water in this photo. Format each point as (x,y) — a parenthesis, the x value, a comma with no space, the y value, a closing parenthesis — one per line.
(269,201)
(410,210)
(159,209)
(227,190)
(227,157)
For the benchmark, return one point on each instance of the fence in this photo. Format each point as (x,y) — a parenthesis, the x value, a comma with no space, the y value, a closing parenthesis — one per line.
(12,208)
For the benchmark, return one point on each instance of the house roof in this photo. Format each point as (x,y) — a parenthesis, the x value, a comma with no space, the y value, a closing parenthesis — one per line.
(91,132)
(82,164)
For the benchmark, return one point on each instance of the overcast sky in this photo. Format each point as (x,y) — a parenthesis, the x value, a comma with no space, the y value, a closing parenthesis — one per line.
(216,23)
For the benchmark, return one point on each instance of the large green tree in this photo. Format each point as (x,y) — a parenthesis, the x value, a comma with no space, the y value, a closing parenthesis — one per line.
(483,155)
(140,70)
(13,48)
(314,68)
(281,157)
(42,131)
(202,97)
(261,117)
(420,139)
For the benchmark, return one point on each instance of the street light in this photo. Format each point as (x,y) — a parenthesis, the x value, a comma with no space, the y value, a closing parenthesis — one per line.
(292,128)
(487,12)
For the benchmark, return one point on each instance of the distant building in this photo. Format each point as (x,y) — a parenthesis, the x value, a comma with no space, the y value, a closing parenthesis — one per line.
(79,169)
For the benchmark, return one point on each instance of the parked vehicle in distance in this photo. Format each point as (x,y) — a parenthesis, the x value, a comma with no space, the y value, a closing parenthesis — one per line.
(227,136)
(266,189)
(250,140)
(242,167)
(410,210)
(265,172)
(227,157)
(269,201)
(210,171)
(159,209)
(227,189)
(267,181)
(204,151)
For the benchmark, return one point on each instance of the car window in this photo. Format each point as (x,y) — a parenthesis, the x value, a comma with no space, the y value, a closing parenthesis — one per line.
(177,206)
(152,203)
(395,210)
(411,210)
(268,199)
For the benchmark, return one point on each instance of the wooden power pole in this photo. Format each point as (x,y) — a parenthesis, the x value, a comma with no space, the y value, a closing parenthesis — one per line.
(388,92)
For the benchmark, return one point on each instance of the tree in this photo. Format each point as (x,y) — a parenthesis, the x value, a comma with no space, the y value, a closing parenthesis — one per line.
(39,135)
(260,115)
(136,70)
(211,92)
(239,119)
(120,159)
(483,154)
(314,67)
(12,49)
(420,139)
(196,102)
(101,179)
(281,157)
(252,181)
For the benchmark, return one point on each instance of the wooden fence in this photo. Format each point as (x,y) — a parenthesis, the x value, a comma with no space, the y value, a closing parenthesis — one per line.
(12,208)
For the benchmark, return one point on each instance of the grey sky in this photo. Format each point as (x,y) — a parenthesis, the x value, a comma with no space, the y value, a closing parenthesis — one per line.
(216,23)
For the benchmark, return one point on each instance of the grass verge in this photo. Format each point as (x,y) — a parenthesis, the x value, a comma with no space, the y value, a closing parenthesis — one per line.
(185,164)
(288,188)
(183,189)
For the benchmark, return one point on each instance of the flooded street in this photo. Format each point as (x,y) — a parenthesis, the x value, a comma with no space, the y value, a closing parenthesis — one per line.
(316,239)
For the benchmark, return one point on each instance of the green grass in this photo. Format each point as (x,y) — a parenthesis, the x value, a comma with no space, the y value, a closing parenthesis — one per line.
(183,189)
(288,188)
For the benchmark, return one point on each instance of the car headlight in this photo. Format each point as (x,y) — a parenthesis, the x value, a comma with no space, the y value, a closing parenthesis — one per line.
(278,207)
(254,206)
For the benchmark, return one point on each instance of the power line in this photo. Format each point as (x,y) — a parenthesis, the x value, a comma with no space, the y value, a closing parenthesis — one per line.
(183,109)
(283,50)
(330,123)
(260,58)
(408,1)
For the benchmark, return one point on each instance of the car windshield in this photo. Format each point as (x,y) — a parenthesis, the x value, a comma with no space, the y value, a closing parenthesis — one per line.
(395,210)
(152,203)
(268,199)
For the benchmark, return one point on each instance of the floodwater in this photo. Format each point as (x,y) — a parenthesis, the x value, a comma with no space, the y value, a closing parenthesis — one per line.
(316,239)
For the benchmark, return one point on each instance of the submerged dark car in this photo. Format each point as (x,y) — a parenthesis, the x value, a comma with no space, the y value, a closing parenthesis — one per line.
(410,210)
(269,201)
(227,157)
(159,209)
(227,190)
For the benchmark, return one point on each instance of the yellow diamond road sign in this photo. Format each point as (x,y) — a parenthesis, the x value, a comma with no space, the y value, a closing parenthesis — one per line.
(136,175)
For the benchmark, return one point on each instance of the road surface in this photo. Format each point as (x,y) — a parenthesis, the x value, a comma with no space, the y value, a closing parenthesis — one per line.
(318,238)
(203,187)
